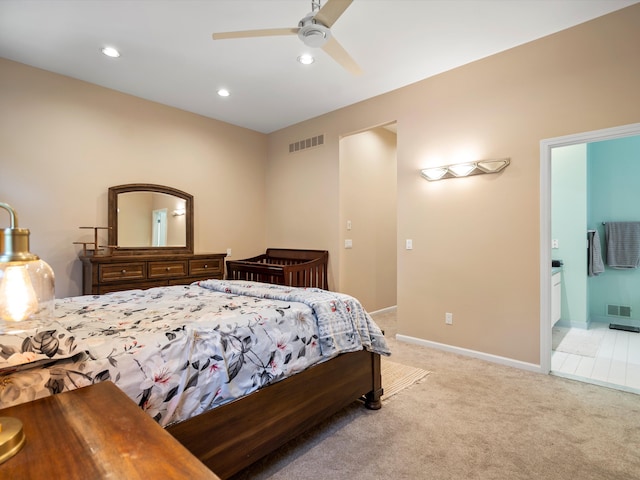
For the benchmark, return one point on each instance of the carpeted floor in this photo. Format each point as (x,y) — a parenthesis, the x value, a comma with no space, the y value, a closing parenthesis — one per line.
(469,420)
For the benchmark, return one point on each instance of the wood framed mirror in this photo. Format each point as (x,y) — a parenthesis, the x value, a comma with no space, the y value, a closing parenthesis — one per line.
(145,219)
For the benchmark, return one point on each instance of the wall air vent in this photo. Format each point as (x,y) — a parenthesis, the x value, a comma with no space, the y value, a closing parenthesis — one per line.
(625,311)
(619,311)
(306,143)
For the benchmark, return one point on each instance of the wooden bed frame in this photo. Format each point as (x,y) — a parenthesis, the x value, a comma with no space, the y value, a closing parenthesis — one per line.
(233,436)
(283,266)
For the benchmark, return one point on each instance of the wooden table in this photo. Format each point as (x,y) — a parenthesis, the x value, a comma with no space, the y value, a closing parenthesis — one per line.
(96,432)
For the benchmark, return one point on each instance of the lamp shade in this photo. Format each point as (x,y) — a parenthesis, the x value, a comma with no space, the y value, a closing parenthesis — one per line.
(26,281)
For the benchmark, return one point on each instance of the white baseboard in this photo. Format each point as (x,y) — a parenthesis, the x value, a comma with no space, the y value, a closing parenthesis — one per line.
(570,324)
(620,320)
(384,310)
(532,367)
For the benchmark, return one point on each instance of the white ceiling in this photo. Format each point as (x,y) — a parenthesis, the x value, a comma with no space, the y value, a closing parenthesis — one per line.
(168,55)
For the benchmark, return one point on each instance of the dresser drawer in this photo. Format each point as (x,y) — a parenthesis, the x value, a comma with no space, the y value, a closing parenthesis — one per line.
(207,266)
(167,269)
(117,272)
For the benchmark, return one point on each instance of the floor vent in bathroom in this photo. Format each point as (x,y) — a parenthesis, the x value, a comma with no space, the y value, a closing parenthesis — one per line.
(619,311)
(626,328)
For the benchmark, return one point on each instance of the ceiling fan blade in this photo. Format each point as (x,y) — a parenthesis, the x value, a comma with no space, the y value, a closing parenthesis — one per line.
(331,11)
(340,55)
(269,32)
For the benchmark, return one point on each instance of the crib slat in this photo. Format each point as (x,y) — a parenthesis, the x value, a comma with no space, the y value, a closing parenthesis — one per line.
(300,268)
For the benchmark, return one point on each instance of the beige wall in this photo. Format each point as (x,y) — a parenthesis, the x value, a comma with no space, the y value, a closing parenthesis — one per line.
(476,240)
(63,142)
(303,199)
(368,201)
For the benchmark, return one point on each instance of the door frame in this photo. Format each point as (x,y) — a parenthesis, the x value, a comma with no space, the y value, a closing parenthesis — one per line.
(546,147)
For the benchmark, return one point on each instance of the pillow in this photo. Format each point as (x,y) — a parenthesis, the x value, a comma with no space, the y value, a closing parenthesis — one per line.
(30,344)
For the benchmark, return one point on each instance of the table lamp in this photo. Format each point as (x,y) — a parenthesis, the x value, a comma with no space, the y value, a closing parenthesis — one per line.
(26,292)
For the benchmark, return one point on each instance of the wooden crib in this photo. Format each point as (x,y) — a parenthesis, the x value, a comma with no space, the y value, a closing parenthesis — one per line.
(282,266)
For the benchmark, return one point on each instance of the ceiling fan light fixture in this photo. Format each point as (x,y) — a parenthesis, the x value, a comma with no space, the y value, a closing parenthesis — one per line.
(312,33)
(313,36)
(314,30)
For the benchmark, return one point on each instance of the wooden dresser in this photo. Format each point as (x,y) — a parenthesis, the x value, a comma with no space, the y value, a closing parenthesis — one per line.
(112,273)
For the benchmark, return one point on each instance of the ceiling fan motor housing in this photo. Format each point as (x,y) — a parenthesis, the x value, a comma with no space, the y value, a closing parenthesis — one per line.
(312,33)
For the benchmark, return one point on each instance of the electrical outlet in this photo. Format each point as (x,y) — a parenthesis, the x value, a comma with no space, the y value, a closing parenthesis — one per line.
(448,318)
(555,243)
(228,252)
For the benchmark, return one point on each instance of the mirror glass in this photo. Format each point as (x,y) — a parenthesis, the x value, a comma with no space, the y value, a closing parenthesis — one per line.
(150,218)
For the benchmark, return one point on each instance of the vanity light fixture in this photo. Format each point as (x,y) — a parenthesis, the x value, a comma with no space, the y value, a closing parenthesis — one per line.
(26,292)
(435,173)
(110,52)
(465,169)
(462,169)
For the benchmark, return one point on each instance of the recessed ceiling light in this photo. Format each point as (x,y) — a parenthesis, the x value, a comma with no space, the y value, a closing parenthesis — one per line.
(306,59)
(223,92)
(110,52)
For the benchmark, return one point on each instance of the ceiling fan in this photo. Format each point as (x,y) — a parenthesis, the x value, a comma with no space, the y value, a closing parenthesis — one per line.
(313,30)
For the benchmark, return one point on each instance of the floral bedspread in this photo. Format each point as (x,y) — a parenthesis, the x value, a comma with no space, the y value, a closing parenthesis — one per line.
(179,351)
(343,324)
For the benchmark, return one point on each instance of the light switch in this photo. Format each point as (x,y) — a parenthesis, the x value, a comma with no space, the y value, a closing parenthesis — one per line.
(409,244)
(348,224)
(348,243)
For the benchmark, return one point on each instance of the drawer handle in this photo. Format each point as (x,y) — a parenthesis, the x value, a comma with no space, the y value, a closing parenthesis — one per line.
(168,269)
(123,271)
(206,266)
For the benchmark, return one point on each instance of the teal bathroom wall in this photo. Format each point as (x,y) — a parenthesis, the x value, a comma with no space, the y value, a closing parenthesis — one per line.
(613,178)
(568,228)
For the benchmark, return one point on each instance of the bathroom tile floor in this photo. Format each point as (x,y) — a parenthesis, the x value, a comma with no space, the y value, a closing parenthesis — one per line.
(598,355)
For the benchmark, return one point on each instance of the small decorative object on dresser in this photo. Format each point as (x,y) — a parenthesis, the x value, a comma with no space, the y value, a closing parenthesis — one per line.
(97,248)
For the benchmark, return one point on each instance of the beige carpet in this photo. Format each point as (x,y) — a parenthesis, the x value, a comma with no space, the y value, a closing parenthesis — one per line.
(396,377)
(469,420)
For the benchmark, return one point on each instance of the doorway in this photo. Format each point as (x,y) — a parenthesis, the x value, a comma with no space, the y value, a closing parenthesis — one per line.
(548,148)
(159,223)
(368,217)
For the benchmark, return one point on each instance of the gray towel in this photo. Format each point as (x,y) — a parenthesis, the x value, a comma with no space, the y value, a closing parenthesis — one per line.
(623,244)
(596,265)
